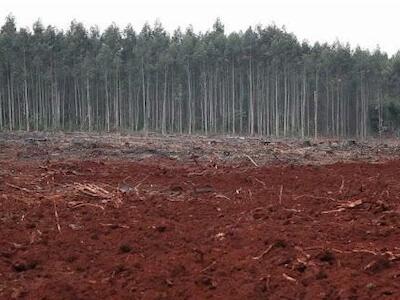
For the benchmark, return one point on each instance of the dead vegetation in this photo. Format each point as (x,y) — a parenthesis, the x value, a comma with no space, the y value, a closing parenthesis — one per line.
(207,220)
(256,150)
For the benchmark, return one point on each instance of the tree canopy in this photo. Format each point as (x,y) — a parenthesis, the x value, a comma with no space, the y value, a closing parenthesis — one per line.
(260,81)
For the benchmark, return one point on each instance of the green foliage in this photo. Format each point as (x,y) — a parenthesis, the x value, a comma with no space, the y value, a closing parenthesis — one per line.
(46,72)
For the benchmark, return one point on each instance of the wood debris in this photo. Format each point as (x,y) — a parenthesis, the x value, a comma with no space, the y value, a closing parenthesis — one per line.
(289,277)
(352,204)
(92,190)
(57,217)
(251,160)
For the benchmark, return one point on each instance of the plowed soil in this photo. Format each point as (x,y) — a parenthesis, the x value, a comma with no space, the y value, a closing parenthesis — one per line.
(95,227)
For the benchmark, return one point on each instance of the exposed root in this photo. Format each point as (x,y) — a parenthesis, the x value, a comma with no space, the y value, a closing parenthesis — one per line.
(280,195)
(260,181)
(223,197)
(265,252)
(56,215)
(208,267)
(341,186)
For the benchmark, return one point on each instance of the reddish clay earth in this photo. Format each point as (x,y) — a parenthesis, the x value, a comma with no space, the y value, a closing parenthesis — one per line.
(162,228)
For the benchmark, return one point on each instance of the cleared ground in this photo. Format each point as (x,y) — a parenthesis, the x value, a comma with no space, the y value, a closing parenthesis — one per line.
(128,217)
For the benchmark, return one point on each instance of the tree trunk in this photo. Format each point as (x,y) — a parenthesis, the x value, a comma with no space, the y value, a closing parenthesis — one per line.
(276,106)
(89,107)
(145,129)
(107,103)
(251,100)
(164,105)
(316,106)
(233,97)
(189,83)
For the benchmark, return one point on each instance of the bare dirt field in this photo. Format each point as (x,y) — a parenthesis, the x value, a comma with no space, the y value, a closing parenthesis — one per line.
(129,217)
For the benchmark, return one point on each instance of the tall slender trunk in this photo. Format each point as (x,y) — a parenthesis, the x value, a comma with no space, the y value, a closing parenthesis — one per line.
(148,106)
(268,110)
(276,106)
(303,105)
(89,107)
(189,83)
(1,109)
(130,103)
(145,129)
(285,108)
(26,100)
(164,105)
(10,105)
(107,103)
(205,105)
(233,97)
(316,106)
(251,100)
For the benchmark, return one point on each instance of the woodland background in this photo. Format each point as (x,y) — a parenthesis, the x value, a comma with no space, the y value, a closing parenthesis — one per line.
(262,81)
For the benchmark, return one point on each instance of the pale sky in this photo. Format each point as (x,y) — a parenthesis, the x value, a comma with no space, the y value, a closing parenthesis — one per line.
(367,23)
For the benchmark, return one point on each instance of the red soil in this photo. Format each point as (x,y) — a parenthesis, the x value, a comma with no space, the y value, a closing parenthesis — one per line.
(173,230)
